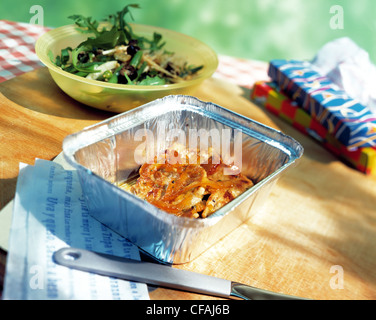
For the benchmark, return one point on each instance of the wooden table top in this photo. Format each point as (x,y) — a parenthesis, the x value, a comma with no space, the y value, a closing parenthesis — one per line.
(314,238)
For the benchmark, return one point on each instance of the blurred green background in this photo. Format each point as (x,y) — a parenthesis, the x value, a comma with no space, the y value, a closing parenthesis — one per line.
(251,29)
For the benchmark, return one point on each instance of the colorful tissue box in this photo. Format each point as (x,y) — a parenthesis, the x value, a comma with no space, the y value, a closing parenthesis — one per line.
(274,100)
(353,124)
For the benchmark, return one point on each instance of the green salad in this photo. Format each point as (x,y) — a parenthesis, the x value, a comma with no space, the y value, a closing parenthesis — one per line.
(118,55)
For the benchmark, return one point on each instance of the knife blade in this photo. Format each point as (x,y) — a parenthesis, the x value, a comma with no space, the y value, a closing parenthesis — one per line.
(161,275)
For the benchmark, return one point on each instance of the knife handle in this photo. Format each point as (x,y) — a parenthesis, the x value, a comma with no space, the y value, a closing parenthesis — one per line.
(160,275)
(242,291)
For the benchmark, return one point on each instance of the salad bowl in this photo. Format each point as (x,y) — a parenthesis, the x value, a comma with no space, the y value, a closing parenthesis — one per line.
(117,97)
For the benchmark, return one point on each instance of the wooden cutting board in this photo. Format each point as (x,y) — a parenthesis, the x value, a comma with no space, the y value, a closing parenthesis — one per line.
(315,237)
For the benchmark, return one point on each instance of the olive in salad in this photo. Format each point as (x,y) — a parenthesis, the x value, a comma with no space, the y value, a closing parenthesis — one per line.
(118,55)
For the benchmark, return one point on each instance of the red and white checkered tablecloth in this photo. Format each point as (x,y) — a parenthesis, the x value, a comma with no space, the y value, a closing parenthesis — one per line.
(242,72)
(17,55)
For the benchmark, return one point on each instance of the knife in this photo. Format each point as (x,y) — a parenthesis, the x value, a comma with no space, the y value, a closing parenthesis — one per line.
(161,275)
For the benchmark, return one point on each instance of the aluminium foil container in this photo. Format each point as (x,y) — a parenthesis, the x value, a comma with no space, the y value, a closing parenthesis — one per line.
(111,152)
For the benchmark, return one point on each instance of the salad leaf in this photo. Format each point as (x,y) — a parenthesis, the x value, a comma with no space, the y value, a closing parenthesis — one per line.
(187,70)
(106,40)
(63,59)
(83,67)
(152,81)
(122,24)
(120,32)
(86,25)
(155,43)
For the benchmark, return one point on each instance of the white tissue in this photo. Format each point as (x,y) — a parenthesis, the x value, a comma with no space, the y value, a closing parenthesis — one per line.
(350,67)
